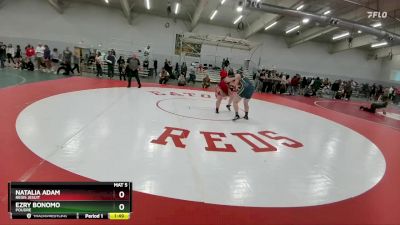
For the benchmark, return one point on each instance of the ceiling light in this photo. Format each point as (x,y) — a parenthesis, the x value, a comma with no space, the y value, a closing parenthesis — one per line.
(379,44)
(258,1)
(148,4)
(378,24)
(222,2)
(177,8)
(238,19)
(327,12)
(305,20)
(271,25)
(359,31)
(293,29)
(300,7)
(107,1)
(239,8)
(338,36)
(213,15)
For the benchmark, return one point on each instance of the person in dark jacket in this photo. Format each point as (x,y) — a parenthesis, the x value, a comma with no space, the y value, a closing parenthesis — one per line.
(335,88)
(155,64)
(3,54)
(184,69)
(27,64)
(121,66)
(18,56)
(133,70)
(316,86)
(47,58)
(348,90)
(110,64)
(168,68)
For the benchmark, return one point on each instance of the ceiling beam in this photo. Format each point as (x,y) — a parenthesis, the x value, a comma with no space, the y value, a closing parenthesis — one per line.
(197,13)
(127,10)
(355,43)
(268,18)
(361,13)
(57,5)
(385,52)
(315,32)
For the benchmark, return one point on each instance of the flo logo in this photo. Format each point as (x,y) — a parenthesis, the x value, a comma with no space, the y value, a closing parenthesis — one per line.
(377,14)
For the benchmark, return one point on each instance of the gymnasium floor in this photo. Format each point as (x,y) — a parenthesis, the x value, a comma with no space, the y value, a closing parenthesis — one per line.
(296,161)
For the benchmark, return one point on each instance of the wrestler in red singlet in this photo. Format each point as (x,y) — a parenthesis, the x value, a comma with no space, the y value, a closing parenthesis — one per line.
(222,91)
(222,84)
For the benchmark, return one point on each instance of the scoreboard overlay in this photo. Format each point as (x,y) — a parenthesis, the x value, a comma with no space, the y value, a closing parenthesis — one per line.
(70,200)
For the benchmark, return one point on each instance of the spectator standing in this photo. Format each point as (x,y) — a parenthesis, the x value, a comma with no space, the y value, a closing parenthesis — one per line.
(227,63)
(294,85)
(192,75)
(10,54)
(379,92)
(335,88)
(146,64)
(261,82)
(177,70)
(391,93)
(133,71)
(29,51)
(147,53)
(3,50)
(155,63)
(55,59)
(184,69)
(168,68)
(372,93)
(40,56)
(121,66)
(303,85)
(76,61)
(348,90)
(315,86)
(67,58)
(110,64)
(18,56)
(47,58)
(99,62)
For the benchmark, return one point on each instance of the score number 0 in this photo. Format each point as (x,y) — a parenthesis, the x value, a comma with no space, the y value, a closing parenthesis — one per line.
(121,206)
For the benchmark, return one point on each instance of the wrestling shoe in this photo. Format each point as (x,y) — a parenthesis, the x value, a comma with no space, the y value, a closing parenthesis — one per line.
(236,118)
(228,107)
(246,117)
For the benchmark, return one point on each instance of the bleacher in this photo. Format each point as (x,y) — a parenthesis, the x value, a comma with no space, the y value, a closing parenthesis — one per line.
(92,69)
(213,74)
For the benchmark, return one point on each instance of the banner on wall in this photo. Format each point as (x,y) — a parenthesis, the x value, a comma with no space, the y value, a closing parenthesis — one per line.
(186,48)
